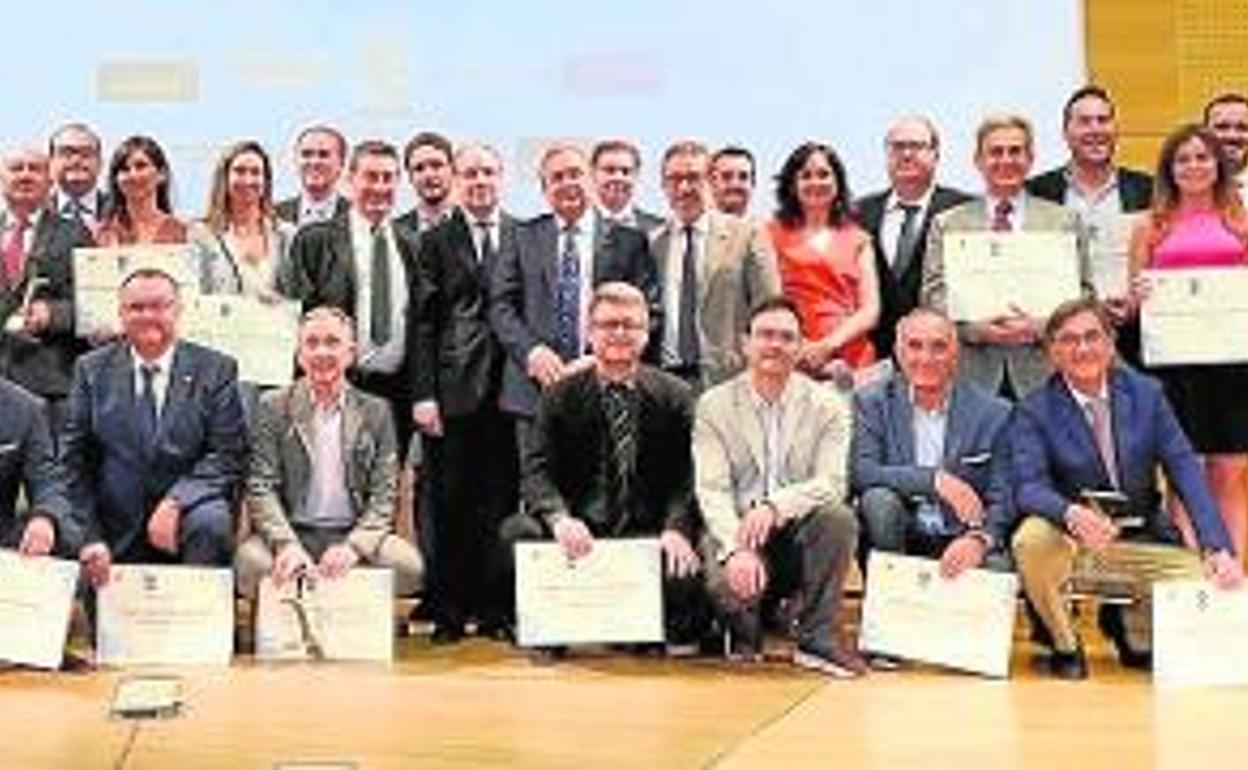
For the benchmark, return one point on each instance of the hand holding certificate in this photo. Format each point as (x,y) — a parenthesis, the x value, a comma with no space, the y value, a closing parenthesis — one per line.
(910,611)
(1199,634)
(36,598)
(150,615)
(614,594)
(991,275)
(347,618)
(1195,316)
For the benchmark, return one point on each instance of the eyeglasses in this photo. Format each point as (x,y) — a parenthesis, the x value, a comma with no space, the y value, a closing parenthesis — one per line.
(618,325)
(900,146)
(1090,338)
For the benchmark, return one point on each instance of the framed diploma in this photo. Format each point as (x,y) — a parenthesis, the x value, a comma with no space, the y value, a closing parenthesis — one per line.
(260,335)
(993,274)
(157,615)
(36,598)
(351,618)
(1199,634)
(98,273)
(910,611)
(614,594)
(1195,316)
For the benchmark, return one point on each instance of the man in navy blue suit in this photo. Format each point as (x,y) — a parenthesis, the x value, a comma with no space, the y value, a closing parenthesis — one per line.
(155,441)
(1092,431)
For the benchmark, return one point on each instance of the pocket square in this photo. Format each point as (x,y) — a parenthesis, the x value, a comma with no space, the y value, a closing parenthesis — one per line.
(978,459)
(9,447)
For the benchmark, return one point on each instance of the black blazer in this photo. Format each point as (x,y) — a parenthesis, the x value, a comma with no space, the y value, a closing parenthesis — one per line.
(522,294)
(44,364)
(28,464)
(452,353)
(1135,188)
(288,210)
(566,475)
(899,294)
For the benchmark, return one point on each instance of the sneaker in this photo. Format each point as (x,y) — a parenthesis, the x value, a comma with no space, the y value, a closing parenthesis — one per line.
(836,663)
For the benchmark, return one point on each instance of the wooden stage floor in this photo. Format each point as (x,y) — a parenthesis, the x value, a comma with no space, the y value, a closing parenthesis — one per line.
(483,704)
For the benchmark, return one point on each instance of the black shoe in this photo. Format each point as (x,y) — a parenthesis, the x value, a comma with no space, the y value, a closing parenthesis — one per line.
(1068,665)
(499,631)
(1039,632)
(1109,620)
(546,656)
(447,634)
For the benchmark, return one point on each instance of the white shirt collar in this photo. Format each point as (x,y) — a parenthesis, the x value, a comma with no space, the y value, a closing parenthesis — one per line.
(894,201)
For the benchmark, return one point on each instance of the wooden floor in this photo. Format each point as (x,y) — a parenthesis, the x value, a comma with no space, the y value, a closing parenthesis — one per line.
(482,704)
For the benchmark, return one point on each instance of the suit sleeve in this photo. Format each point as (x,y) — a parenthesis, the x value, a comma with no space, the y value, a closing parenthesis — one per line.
(538,485)
(381,480)
(219,468)
(79,456)
(999,509)
(681,507)
(762,273)
(868,452)
(932,291)
(713,483)
(643,273)
(424,312)
(44,487)
(507,302)
(1035,491)
(61,302)
(264,476)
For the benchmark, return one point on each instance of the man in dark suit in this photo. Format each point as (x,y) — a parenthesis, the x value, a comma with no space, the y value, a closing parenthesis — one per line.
(612,456)
(75,154)
(1094,427)
(320,152)
(429,160)
(28,467)
(154,446)
(1100,192)
(540,288)
(37,342)
(456,368)
(898,219)
(362,264)
(615,164)
(928,459)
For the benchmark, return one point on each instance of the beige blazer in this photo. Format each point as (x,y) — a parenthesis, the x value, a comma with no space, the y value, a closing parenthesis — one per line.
(281,468)
(737,269)
(983,363)
(730,461)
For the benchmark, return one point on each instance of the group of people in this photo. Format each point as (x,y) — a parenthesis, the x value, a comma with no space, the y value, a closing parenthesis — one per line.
(767,396)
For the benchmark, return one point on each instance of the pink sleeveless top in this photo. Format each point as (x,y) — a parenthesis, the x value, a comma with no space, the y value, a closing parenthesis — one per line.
(1198,239)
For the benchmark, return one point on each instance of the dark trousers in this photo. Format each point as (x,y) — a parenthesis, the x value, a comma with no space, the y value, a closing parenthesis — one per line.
(205,539)
(473,480)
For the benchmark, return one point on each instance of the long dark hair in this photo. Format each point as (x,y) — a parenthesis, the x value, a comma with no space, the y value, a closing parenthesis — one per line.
(118,209)
(789,210)
(1166,195)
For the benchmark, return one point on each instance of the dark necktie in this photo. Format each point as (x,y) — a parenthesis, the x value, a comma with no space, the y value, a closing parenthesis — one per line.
(907,238)
(621,423)
(485,243)
(379,307)
(1102,431)
(1001,216)
(148,414)
(687,343)
(568,298)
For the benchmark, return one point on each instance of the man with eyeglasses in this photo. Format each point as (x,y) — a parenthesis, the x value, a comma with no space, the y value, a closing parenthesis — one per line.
(898,219)
(75,154)
(611,457)
(154,446)
(1086,447)
(1226,115)
(712,268)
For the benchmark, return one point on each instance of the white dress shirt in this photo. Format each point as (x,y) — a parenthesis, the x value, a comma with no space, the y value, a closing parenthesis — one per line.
(389,357)
(328,504)
(160,380)
(895,216)
(674,280)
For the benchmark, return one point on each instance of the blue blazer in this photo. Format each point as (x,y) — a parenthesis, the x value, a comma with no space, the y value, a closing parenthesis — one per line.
(882,447)
(1055,457)
(197,457)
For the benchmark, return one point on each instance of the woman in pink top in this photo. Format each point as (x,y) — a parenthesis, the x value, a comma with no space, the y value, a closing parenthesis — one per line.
(138,197)
(827,264)
(1198,221)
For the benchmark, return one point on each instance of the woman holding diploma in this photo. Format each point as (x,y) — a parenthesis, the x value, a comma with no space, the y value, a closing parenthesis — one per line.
(138,193)
(1197,221)
(240,247)
(827,264)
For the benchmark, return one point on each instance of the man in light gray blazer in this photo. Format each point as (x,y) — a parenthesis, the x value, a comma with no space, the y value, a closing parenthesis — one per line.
(769,466)
(322,483)
(730,265)
(1002,354)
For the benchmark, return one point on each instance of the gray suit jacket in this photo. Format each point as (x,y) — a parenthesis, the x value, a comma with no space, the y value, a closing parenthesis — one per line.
(983,363)
(282,443)
(737,269)
(729,455)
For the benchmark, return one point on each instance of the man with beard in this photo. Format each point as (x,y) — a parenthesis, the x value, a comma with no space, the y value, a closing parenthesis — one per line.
(428,160)
(732,180)
(75,161)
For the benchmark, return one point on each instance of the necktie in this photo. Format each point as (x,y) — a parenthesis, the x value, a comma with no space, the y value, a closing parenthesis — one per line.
(485,243)
(1001,216)
(148,414)
(618,402)
(687,340)
(907,238)
(1102,431)
(568,298)
(379,306)
(15,251)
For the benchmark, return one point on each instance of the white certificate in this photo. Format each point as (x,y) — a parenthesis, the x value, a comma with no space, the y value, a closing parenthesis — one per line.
(351,618)
(990,274)
(260,335)
(910,611)
(614,594)
(98,273)
(36,598)
(1200,634)
(175,615)
(1109,242)
(1195,316)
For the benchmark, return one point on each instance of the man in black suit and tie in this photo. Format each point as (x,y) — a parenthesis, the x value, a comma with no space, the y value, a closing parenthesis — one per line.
(75,153)
(320,152)
(44,522)
(616,164)
(429,160)
(1100,192)
(155,441)
(540,288)
(456,366)
(898,219)
(37,342)
(361,264)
